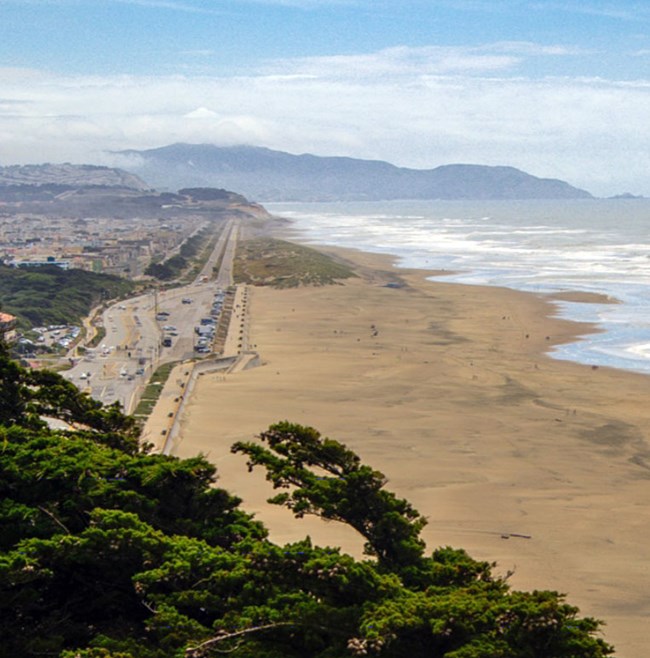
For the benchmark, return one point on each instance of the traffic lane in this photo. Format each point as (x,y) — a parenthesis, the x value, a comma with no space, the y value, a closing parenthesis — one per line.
(112,371)
(181,318)
(224,276)
(133,334)
(208,268)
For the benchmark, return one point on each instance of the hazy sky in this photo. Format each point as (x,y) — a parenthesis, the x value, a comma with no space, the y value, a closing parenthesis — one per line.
(558,88)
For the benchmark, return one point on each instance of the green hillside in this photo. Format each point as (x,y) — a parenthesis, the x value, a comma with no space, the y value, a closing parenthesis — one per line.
(51,295)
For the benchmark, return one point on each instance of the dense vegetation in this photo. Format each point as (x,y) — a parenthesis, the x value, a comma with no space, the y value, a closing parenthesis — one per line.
(211,194)
(20,193)
(168,270)
(107,551)
(51,295)
(281,264)
(174,267)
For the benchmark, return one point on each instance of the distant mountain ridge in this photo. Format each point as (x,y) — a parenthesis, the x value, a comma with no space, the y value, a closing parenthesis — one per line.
(267,175)
(93,191)
(69,175)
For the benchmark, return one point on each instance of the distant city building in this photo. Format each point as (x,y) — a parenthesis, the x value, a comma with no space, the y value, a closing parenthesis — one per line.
(108,245)
(40,262)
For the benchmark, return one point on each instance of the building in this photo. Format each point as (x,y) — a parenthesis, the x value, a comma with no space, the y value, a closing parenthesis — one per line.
(49,260)
(8,327)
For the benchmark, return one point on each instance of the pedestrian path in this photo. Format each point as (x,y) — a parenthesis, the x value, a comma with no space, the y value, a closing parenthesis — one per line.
(161,425)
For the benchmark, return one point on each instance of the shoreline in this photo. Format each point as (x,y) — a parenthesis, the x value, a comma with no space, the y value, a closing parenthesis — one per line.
(539,464)
(608,347)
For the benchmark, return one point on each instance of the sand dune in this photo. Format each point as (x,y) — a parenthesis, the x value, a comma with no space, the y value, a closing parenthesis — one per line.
(540,465)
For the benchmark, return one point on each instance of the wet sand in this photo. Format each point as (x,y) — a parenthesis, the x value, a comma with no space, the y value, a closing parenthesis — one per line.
(542,466)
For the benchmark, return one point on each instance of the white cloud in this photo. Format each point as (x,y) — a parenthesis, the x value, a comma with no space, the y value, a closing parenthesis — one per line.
(201,113)
(408,61)
(616,10)
(173,5)
(528,48)
(305,4)
(414,108)
(16,74)
(398,61)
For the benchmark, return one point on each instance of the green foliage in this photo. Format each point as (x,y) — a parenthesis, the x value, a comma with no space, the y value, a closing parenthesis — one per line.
(177,265)
(153,389)
(15,393)
(50,295)
(281,264)
(172,268)
(328,480)
(107,551)
(193,244)
(211,194)
(98,338)
(28,395)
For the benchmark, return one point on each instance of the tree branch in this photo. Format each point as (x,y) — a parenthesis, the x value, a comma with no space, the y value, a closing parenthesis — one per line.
(53,517)
(192,652)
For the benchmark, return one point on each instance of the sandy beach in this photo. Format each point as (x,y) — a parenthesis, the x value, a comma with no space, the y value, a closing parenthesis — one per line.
(539,465)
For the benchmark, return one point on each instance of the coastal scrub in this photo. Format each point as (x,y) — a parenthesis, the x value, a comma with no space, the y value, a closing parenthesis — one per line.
(282,264)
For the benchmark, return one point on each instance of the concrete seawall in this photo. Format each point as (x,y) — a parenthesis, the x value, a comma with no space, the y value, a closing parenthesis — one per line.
(164,422)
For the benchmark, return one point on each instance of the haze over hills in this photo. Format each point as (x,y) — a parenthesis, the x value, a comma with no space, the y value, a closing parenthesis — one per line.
(266,175)
(92,191)
(70,175)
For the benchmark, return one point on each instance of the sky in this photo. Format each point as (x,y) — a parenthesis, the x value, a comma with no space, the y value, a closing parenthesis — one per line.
(557,88)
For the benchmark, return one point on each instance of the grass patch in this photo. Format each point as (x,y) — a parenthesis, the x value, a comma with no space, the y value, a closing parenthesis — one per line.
(281,264)
(152,391)
(100,334)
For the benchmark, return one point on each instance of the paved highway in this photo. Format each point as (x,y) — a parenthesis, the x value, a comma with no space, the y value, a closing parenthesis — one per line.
(119,368)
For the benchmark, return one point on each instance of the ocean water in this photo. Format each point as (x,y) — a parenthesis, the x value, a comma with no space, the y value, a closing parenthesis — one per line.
(592,245)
